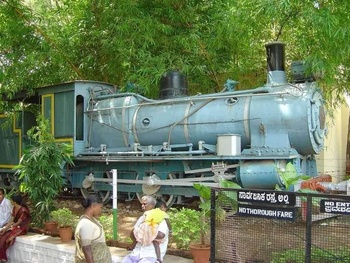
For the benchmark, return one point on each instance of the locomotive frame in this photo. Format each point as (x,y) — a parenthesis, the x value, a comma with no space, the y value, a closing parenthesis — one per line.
(163,146)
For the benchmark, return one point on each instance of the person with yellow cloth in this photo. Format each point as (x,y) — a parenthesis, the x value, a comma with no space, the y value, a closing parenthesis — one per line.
(147,232)
(150,234)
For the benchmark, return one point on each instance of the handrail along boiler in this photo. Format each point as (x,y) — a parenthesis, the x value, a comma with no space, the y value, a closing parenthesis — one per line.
(163,146)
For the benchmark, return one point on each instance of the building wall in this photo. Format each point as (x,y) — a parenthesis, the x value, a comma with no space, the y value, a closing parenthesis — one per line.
(332,160)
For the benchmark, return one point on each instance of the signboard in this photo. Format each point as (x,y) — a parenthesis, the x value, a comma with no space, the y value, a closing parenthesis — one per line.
(335,207)
(267,212)
(265,197)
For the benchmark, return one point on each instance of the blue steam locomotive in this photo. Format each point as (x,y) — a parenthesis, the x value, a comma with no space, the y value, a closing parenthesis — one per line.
(164,146)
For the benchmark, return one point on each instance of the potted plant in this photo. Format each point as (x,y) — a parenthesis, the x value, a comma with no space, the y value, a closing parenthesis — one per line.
(40,170)
(51,226)
(200,249)
(43,210)
(191,227)
(186,227)
(66,221)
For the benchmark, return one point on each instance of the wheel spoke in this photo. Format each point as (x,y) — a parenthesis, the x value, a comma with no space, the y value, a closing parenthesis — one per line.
(155,190)
(104,195)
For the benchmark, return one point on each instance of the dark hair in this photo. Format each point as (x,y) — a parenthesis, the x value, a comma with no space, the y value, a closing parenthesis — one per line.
(17,198)
(160,203)
(88,201)
(2,190)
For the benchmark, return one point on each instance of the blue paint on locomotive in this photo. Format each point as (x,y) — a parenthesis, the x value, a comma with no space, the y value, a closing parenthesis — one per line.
(176,138)
(278,121)
(163,146)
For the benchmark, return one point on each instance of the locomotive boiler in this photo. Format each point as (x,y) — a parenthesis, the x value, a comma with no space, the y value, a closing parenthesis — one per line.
(163,146)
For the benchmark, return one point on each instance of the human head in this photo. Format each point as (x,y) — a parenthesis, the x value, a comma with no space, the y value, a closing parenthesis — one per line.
(17,199)
(148,202)
(161,205)
(93,203)
(2,194)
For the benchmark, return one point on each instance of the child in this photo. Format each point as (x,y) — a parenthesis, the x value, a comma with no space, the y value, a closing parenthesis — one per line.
(162,206)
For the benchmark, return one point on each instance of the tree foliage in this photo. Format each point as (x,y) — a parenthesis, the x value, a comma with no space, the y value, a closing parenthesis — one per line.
(45,42)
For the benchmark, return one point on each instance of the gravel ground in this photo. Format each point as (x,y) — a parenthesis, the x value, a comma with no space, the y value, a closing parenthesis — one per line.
(127,213)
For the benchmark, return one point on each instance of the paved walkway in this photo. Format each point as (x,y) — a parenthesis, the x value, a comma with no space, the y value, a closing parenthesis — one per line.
(175,259)
(121,252)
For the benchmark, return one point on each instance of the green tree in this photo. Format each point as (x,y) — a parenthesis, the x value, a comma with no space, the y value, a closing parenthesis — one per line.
(46,42)
(40,170)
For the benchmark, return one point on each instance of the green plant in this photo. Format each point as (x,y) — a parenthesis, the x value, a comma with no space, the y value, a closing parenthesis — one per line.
(315,200)
(289,176)
(127,240)
(107,223)
(204,212)
(40,170)
(205,206)
(190,225)
(64,217)
(317,255)
(186,227)
(11,193)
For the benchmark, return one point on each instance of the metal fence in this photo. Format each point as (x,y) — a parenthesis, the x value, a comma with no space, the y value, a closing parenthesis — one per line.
(279,227)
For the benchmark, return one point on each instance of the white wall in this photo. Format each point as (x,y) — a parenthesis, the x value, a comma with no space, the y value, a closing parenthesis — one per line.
(37,248)
(332,160)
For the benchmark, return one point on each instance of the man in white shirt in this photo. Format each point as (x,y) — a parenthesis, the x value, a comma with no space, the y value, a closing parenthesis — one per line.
(5,209)
(146,253)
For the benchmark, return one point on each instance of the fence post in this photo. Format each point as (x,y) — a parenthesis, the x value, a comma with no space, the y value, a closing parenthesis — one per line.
(212,225)
(308,228)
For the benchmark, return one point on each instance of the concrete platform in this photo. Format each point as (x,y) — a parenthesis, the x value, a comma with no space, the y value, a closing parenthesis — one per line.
(37,248)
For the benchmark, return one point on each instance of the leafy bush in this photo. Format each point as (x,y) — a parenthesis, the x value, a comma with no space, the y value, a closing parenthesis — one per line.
(205,206)
(186,226)
(289,177)
(107,223)
(40,170)
(64,217)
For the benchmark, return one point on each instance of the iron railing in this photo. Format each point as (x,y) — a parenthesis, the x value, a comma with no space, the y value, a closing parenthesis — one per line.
(292,228)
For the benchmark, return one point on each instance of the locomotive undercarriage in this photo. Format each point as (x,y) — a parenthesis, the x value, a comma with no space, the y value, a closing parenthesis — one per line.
(172,176)
(171,179)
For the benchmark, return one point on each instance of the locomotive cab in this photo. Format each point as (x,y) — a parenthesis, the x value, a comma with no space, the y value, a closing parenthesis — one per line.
(13,141)
(64,105)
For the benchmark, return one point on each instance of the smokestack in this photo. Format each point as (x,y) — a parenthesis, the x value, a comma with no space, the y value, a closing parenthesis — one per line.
(173,84)
(275,63)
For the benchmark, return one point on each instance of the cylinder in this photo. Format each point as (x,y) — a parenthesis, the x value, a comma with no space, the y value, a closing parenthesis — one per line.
(228,145)
(275,56)
(172,85)
(260,174)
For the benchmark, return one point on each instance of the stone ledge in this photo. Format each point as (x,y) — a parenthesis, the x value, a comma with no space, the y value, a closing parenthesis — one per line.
(38,248)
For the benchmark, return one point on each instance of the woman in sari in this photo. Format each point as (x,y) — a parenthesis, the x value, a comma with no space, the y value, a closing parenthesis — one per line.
(90,242)
(18,225)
